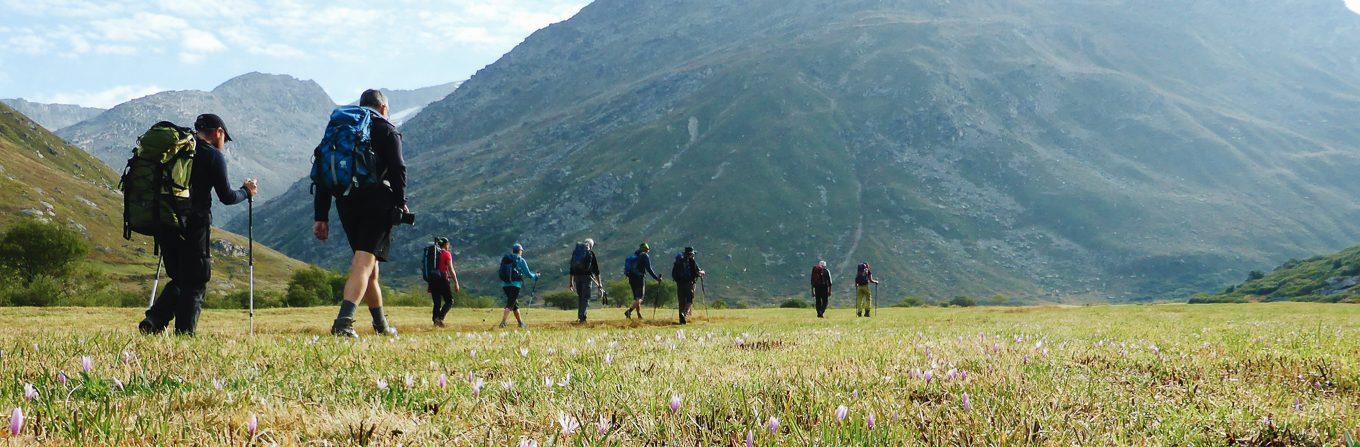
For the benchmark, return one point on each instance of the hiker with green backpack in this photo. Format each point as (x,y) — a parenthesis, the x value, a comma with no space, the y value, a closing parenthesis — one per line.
(359,165)
(167,192)
(512,272)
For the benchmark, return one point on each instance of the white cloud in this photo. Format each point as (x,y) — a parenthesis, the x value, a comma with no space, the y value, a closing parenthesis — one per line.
(1354,5)
(202,41)
(104,98)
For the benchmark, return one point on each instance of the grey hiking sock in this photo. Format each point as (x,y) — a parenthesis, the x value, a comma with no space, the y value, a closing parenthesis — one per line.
(377,314)
(346,310)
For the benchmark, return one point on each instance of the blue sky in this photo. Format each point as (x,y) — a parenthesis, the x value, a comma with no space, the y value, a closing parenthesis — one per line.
(101,53)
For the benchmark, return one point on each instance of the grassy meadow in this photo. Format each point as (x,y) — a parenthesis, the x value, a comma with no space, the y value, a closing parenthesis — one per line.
(1264,374)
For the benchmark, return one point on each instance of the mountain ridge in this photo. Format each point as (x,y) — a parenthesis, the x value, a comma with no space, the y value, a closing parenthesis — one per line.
(1046,149)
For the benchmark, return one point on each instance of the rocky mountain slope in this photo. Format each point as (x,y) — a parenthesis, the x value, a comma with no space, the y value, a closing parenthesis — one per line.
(52,116)
(42,177)
(1040,148)
(275,121)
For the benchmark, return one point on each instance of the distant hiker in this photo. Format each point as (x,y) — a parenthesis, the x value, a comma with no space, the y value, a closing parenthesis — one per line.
(821,287)
(185,250)
(512,272)
(437,268)
(864,297)
(584,271)
(636,268)
(370,197)
(685,272)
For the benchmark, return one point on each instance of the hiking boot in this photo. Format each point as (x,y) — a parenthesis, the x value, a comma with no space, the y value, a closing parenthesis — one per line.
(521,325)
(858,314)
(866,314)
(147,327)
(344,327)
(628,313)
(439,323)
(382,328)
(682,319)
(502,326)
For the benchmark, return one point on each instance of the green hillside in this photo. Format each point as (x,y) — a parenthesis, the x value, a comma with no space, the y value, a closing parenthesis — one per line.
(1330,279)
(1044,149)
(42,177)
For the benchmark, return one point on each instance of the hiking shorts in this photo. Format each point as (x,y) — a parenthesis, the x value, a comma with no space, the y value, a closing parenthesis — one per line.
(639,286)
(821,292)
(366,216)
(511,297)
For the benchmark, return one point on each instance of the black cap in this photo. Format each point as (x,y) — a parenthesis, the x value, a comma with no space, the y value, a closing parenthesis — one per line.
(209,121)
(689,250)
(441,241)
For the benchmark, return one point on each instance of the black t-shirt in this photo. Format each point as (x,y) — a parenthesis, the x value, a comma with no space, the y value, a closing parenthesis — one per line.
(210,174)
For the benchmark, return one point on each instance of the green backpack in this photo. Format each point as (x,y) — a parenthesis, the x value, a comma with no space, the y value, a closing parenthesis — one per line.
(155,183)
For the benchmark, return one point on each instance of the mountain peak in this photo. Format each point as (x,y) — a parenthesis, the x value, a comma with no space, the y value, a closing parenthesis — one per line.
(255,82)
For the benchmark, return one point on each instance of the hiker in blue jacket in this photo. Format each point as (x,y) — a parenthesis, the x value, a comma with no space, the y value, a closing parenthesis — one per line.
(637,269)
(513,271)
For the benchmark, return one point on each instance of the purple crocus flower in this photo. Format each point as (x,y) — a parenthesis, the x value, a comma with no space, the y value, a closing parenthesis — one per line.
(16,421)
(569,423)
(443,380)
(750,438)
(967,403)
(772,425)
(477,387)
(841,411)
(118,384)
(252,425)
(61,377)
(127,357)
(602,427)
(872,421)
(675,403)
(30,393)
(86,364)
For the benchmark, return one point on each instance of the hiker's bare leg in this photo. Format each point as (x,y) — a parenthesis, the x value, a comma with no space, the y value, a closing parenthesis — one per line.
(373,297)
(363,265)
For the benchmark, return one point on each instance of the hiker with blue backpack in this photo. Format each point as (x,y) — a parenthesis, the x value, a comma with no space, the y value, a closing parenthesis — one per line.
(437,270)
(513,270)
(583,272)
(359,165)
(635,268)
(191,162)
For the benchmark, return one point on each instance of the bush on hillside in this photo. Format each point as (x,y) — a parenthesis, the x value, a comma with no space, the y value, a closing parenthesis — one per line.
(313,286)
(31,249)
(561,299)
(963,301)
(912,301)
(794,303)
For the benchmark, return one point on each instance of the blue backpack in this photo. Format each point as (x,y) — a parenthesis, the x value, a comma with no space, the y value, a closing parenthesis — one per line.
(345,161)
(630,266)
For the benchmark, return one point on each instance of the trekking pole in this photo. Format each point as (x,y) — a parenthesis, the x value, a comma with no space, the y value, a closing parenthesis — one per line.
(250,257)
(873,300)
(155,284)
(704,296)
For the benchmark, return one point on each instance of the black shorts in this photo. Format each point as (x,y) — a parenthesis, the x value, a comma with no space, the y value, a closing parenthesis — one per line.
(511,297)
(821,292)
(639,286)
(366,216)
